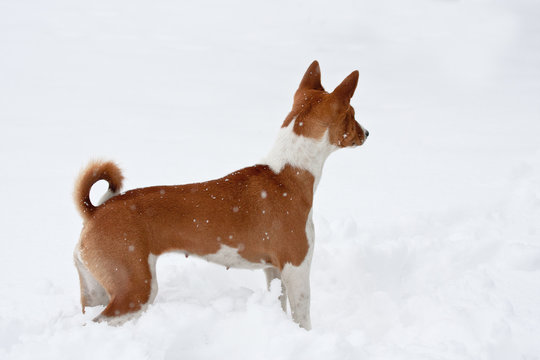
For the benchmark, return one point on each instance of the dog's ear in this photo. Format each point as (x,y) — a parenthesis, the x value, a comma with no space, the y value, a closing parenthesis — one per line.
(312,78)
(345,90)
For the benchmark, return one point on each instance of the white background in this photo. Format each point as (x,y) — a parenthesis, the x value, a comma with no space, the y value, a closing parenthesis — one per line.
(428,236)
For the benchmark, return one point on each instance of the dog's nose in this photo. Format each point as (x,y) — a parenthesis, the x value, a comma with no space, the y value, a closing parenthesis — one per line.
(367,133)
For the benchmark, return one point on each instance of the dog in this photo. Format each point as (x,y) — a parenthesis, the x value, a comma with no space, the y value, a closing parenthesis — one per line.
(259,217)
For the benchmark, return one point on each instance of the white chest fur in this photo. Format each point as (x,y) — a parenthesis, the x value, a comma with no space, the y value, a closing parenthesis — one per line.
(299,151)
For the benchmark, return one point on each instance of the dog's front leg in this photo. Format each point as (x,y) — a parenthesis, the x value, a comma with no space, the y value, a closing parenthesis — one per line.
(271,274)
(296,281)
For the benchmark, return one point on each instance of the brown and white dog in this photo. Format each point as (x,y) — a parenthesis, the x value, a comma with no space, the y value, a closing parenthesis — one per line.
(259,217)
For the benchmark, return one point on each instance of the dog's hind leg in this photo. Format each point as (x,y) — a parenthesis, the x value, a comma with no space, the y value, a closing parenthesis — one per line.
(92,293)
(131,286)
(271,274)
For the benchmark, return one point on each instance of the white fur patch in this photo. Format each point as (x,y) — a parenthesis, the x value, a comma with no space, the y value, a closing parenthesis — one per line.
(152,259)
(229,257)
(108,194)
(299,151)
(92,291)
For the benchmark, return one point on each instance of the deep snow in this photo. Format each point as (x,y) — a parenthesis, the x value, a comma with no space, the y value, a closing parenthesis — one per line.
(427,237)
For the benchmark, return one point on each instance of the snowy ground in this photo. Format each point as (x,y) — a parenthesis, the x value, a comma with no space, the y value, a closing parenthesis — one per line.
(428,237)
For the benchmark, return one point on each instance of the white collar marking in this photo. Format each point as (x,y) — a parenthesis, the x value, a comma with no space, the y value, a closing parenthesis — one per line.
(299,151)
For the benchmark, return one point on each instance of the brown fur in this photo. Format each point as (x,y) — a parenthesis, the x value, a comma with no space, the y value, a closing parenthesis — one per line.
(317,111)
(260,213)
(95,171)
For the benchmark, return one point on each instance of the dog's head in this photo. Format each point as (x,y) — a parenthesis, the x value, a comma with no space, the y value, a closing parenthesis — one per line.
(316,112)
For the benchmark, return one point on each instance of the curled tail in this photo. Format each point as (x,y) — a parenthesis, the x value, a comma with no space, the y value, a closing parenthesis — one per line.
(95,171)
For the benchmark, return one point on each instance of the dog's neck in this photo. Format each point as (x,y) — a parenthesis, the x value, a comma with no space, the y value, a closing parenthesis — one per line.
(300,152)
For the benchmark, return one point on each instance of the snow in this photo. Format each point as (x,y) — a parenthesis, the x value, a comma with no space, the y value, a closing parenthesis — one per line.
(427,237)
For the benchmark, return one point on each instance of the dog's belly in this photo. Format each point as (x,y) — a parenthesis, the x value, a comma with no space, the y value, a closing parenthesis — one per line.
(229,257)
